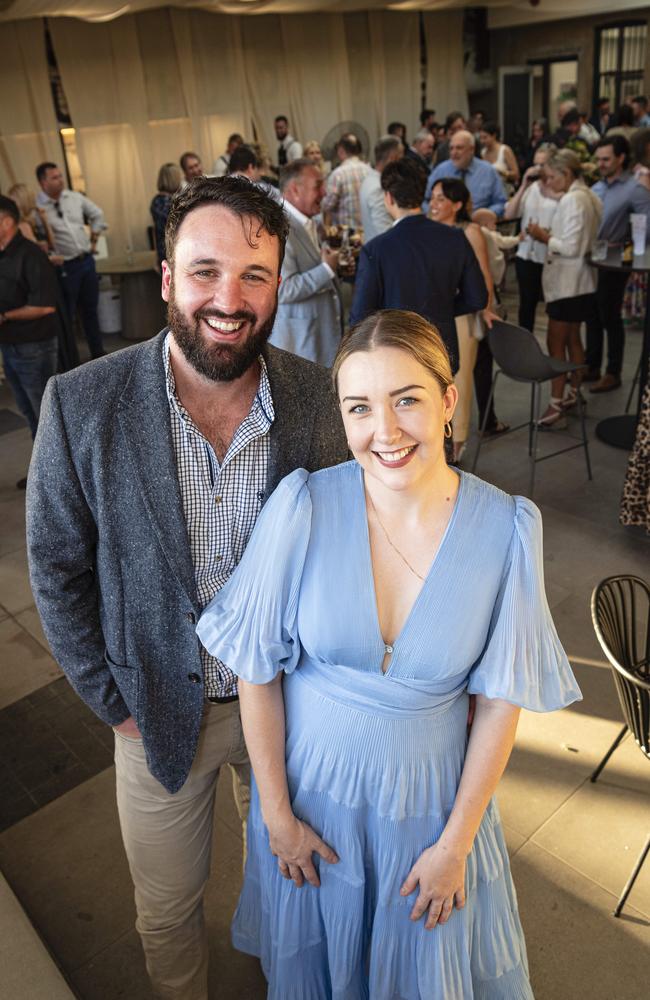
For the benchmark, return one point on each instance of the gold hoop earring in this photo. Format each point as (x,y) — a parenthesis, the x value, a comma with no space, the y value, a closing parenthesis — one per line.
(448,431)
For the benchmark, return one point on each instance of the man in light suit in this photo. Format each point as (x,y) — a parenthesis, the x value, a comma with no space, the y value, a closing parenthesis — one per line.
(148,473)
(374,214)
(309,318)
(418,264)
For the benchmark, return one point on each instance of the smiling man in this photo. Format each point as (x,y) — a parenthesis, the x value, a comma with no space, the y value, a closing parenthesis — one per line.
(141,501)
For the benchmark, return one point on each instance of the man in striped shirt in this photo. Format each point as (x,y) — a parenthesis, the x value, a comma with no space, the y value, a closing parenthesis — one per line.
(341,205)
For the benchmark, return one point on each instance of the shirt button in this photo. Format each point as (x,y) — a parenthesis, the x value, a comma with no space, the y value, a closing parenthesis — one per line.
(191,617)
(194,678)
(217,499)
(388,649)
(218,556)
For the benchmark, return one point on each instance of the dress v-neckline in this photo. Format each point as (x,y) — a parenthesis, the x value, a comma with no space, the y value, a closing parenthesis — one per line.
(390,649)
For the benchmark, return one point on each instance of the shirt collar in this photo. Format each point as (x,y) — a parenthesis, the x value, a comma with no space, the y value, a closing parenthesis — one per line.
(44,199)
(262,404)
(13,244)
(295,212)
(621,179)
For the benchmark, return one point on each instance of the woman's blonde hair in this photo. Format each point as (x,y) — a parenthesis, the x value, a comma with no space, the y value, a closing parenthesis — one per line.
(25,200)
(565,161)
(405,331)
(169,178)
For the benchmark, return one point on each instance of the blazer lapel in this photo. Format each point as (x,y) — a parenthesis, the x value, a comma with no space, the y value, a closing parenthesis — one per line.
(291,430)
(301,236)
(143,415)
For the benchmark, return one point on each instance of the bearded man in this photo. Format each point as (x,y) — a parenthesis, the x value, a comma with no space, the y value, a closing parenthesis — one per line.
(148,473)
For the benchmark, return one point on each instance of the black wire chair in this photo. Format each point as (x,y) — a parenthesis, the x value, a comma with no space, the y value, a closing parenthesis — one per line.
(620,611)
(519,357)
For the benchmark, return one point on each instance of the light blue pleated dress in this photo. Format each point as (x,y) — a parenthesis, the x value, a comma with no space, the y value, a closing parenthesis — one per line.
(374,760)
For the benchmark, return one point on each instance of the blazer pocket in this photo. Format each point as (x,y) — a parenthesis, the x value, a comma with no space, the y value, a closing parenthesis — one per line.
(127,678)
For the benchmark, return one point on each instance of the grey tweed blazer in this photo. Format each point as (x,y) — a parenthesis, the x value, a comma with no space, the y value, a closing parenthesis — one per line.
(109,556)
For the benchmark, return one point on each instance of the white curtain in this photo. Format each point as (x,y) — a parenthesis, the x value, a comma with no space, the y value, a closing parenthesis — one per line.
(28,128)
(446,90)
(103,77)
(144,88)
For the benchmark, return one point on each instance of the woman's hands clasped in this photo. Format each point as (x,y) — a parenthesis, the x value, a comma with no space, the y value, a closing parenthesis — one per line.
(293,843)
(440,873)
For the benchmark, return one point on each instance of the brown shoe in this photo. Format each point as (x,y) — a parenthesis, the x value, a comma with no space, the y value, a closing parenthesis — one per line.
(591,375)
(606,384)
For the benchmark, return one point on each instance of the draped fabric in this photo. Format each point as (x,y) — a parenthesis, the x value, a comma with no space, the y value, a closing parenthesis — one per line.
(144,88)
(28,128)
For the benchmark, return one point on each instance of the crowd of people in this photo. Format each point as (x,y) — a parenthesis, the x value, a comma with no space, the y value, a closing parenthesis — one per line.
(570,187)
(205,487)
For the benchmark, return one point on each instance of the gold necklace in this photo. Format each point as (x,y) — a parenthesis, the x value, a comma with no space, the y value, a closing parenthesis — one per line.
(394,547)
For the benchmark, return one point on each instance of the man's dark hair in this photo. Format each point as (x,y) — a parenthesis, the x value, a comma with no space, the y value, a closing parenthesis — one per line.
(281,118)
(619,145)
(42,169)
(9,207)
(405,181)
(452,117)
(395,128)
(242,158)
(239,196)
(426,113)
(292,171)
(602,101)
(235,137)
(572,117)
(385,146)
(350,144)
(188,156)
(642,100)
(624,115)
(457,191)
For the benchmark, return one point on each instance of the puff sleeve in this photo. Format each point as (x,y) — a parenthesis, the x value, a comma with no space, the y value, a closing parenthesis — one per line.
(250,625)
(523,661)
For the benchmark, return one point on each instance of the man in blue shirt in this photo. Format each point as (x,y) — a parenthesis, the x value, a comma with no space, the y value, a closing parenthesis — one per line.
(620,194)
(481,178)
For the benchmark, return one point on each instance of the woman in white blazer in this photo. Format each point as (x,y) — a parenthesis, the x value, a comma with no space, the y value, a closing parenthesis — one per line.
(568,279)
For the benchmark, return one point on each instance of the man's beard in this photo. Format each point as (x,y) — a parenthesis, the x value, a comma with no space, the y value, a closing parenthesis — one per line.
(218,362)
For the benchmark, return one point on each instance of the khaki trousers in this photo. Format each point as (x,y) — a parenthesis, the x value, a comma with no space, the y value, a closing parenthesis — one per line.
(168,841)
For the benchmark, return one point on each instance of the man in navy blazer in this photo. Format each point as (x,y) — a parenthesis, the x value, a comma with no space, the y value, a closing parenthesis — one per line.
(418,264)
(148,473)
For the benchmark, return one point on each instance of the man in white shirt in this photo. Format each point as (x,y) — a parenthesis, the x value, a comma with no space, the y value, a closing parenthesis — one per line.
(289,148)
(68,213)
(374,214)
(309,316)
(222,162)
(341,203)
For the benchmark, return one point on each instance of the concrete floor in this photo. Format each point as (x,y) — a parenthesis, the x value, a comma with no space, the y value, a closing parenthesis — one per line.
(572,843)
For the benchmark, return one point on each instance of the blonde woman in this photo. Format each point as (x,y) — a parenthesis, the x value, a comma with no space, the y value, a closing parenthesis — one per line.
(568,279)
(369,605)
(169,181)
(33,220)
(313,152)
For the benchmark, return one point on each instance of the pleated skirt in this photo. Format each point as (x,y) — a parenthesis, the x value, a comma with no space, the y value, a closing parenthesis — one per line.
(378,789)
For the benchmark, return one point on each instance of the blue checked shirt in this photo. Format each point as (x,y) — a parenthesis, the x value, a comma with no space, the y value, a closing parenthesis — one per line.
(220,502)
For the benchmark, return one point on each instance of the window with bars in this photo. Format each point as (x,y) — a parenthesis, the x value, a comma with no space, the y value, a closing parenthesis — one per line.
(620,59)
